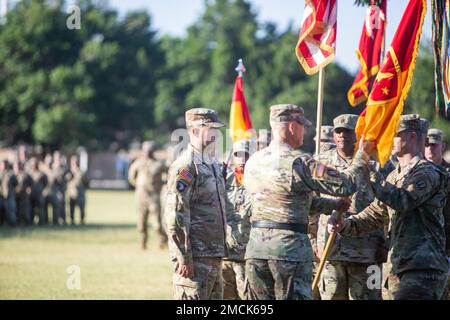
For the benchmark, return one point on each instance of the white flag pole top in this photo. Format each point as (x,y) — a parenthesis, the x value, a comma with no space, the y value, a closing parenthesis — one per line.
(240,67)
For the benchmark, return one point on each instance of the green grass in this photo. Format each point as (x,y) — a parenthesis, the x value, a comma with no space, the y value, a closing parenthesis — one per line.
(34,260)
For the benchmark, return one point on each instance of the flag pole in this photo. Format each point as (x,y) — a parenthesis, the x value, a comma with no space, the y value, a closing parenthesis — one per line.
(319,109)
(240,69)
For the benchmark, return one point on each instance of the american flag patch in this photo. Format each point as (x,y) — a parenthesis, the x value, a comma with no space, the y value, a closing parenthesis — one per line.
(185,175)
(319,170)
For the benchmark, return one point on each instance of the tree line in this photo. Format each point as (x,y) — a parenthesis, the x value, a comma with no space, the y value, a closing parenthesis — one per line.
(118,80)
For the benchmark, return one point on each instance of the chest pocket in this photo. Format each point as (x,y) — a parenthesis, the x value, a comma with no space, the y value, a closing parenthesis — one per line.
(207,186)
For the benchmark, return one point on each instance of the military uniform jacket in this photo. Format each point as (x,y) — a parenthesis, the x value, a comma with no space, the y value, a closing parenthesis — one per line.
(362,249)
(238,208)
(146,175)
(39,183)
(280,182)
(413,197)
(195,208)
(445,166)
(76,184)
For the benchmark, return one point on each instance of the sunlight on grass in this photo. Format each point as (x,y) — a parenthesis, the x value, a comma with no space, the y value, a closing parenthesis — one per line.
(34,260)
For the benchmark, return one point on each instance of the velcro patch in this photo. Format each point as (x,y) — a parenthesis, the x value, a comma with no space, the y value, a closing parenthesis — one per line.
(181,185)
(319,170)
(185,175)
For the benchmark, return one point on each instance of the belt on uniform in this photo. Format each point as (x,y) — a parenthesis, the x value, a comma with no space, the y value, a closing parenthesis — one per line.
(296,227)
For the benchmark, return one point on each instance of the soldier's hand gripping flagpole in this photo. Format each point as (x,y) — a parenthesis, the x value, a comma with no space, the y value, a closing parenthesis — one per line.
(326,253)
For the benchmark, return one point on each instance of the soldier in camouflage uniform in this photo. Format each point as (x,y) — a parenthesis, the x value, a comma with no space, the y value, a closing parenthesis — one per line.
(76,189)
(196,212)
(8,185)
(238,224)
(57,189)
(413,195)
(281,182)
(326,138)
(345,274)
(37,191)
(145,174)
(23,193)
(434,152)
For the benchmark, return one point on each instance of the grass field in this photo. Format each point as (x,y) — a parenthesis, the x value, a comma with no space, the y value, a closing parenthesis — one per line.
(34,261)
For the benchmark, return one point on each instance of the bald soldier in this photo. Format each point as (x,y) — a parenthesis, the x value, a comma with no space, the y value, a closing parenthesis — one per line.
(413,196)
(281,181)
(145,174)
(238,224)
(196,213)
(345,274)
(434,151)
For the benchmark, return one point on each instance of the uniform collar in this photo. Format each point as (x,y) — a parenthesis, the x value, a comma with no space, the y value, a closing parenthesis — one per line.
(280,145)
(405,170)
(200,156)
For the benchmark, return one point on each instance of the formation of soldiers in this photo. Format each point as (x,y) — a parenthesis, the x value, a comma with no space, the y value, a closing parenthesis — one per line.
(32,190)
(256,228)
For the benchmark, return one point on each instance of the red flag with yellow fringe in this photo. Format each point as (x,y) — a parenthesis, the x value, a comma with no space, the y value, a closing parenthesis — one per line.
(240,122)
(379,121)
(371,44)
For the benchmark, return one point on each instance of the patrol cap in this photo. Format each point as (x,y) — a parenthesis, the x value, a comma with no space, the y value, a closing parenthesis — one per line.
(435,136)
(347,121)
(203,117)
(326,133)
(288,112)
(241,146)
(424,125)
(410,122)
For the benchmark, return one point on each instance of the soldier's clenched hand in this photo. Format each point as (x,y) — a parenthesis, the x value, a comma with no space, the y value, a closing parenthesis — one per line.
(343,204)
(336,223)
(186,270)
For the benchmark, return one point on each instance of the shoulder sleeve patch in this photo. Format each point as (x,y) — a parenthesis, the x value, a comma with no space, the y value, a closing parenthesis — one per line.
(184,176)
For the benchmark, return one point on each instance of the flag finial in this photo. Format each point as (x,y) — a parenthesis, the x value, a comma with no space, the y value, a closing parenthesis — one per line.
(240,67)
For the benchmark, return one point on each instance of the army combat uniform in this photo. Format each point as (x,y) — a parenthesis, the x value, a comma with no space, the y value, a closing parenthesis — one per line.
(37,195)
(345,273)
(23,195)
(196,217)
(76,191)
(238,231)
(437,136)
(8,185)
(280,182)
(145,174)
(57,193)
(413,197)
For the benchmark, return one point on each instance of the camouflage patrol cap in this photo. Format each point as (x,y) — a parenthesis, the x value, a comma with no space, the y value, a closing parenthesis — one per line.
(288,112)
(410,122)
(435,136)
(424,125)
(326,133)
(203,117)
(347,121)
(241,146)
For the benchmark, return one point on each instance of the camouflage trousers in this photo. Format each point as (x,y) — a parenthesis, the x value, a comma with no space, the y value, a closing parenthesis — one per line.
(57,200)
(417,285)
(23,208)
(79,201)
(446,294)
(207,283)
(276,279)
(146,206)
(8,209)
(38,209)
(233,273)
(347,281)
